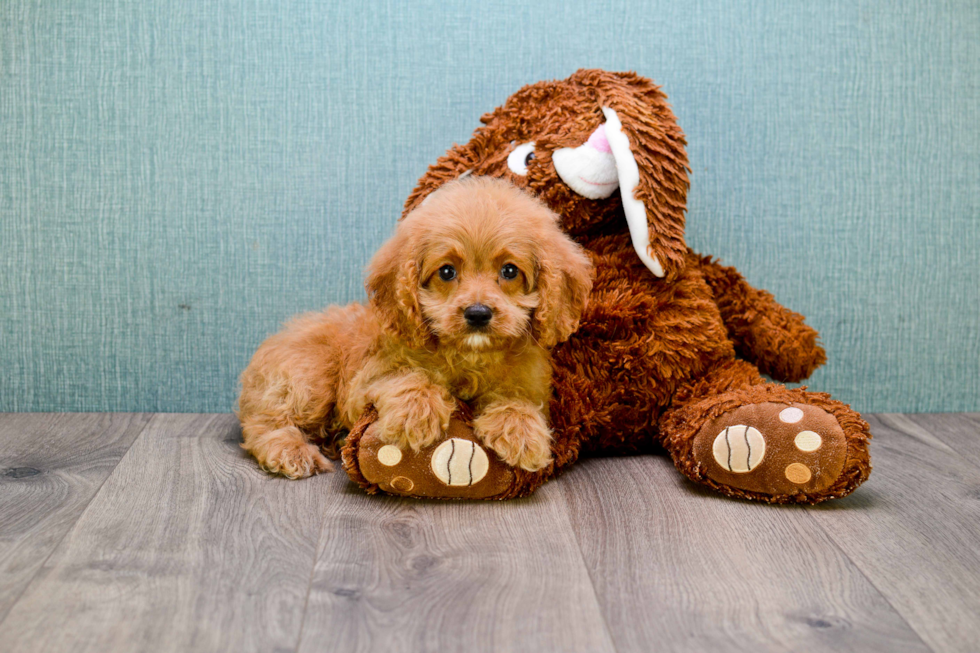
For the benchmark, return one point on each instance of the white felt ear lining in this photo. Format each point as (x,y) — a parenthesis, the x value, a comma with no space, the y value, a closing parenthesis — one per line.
(629,179)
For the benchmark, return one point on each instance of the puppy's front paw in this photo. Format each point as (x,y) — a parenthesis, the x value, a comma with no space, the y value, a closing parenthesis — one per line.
(518,433)
(285,451)
(414,420)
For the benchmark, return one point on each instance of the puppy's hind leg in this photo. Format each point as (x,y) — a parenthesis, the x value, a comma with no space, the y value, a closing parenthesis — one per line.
(270,414)
(286,451)
(289,392)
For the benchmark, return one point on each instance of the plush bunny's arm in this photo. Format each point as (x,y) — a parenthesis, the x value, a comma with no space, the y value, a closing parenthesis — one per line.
(770,335)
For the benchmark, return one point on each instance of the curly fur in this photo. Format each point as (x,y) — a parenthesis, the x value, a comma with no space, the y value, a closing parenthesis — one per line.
(410,353)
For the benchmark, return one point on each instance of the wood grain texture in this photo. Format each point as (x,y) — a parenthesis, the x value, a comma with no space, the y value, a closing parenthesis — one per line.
(678,568)
(405,575)
(959,431)
(187,547)
(914,528)
(182,544)
(50,468)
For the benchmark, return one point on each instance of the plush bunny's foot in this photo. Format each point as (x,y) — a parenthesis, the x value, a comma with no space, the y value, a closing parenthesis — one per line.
(773,448)
(458,466)
(770,443)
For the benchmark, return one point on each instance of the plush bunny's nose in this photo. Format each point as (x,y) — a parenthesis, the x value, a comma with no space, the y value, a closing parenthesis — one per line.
(589,169)
(478,315)
(599,141)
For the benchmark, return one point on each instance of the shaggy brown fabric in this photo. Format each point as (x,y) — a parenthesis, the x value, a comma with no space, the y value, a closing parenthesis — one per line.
(653,361)
(348,452)
(775,337)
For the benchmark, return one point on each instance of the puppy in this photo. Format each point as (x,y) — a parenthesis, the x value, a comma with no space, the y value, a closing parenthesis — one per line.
(465,300)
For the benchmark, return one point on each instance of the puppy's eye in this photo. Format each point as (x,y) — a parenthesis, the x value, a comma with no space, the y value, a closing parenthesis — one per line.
(509,271)
(447,273)
(520,157)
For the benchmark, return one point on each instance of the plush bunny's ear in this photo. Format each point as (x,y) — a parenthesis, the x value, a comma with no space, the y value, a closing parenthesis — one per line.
(598,167)
(629,178)
(652,166)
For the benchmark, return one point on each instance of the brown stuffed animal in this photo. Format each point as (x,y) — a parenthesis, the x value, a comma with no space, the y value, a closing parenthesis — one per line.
(654,360)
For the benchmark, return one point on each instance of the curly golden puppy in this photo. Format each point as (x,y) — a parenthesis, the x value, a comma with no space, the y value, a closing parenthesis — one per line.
(466,299)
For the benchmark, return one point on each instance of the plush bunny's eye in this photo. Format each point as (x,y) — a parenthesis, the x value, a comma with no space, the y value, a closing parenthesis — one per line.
(522,155)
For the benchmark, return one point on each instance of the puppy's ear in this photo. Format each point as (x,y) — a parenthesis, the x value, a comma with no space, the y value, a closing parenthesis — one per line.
(564,281)
(393,288)
(649,148)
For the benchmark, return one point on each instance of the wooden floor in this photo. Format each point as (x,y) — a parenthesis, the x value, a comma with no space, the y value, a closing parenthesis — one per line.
(156,533)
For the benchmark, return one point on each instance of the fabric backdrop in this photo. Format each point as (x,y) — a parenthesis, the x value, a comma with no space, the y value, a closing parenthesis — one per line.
(177,178)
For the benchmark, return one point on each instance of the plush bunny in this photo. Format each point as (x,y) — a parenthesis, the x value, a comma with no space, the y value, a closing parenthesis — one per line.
(672,347)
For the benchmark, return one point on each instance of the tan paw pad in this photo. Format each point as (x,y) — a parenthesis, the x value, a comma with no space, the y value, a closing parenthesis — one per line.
(389,455)
(797,473)
(402,484)
(790,415)
(807,441)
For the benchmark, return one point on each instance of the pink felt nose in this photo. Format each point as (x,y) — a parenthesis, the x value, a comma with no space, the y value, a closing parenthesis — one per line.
(598,139)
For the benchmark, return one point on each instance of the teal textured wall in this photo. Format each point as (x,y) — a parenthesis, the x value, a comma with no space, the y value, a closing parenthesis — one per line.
(177,178)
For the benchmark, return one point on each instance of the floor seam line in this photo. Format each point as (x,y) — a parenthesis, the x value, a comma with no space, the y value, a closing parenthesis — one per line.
(309,585)
(588,572)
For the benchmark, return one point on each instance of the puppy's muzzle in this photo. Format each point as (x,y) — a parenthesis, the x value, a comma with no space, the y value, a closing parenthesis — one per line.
(478,315)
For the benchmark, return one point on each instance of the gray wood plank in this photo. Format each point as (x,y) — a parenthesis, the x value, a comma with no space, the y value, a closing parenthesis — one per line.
(914,530)
(404,575)
(50,468)
(677,567)
(187,547)
(959,431)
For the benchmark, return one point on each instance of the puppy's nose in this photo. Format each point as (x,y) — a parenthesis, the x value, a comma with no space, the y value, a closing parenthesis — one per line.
(478,315)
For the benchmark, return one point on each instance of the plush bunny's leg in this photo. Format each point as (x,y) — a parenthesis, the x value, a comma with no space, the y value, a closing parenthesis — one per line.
(774,338)
(752,439)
